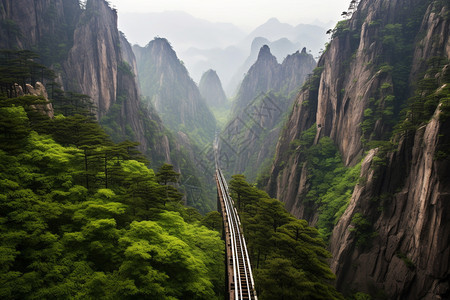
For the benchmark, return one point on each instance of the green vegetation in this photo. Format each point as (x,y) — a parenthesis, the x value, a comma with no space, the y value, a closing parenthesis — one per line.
(362,229)
(221,114)
(312,82)
(289,257)
(408,262)
(331,183)
(125,67)
(19,67)
(342,27)
(83,217)
(431,91)
(361,296)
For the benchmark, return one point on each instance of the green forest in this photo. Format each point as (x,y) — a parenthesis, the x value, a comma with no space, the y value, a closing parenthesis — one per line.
(85,218)
(288,256)
(360,152)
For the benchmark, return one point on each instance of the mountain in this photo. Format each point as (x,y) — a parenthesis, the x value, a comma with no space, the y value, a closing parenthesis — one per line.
(168,86)
(182,29)
(204,45)
(90,59)
(211,89)
(93,58)
(63,177)
(312,37)
(48,26)
(247,143)
(280,49)
(128,54)
(223,60)
(364,153)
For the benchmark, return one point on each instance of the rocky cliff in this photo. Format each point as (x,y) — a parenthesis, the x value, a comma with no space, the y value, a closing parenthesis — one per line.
(90,57)
(167,85)
(46,26)
(265,96)
(128,54)
(211,89)
(391,239)
(279,48)
(94,59)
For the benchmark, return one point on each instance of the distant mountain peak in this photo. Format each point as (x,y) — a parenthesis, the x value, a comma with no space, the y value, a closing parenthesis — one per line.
(273,21)
(162,46)
(264,53)
(211,89)
(210,72)
(159,41)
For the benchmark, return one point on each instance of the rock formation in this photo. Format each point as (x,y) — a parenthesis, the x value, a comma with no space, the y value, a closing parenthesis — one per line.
(40,91)
(167,85)
(211,89)
(46,25)
(248,141)
(375,61)
(92,59)
(279,48)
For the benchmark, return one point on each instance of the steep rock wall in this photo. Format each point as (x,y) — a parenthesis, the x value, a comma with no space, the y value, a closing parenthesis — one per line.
(167,84)
(84,47)
(92,65)
(398,209)
(349,79)
(409,256)
(128,54)
(211,89)
(46,26)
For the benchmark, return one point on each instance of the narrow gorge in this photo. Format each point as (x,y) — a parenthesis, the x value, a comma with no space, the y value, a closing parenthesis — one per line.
(336,164)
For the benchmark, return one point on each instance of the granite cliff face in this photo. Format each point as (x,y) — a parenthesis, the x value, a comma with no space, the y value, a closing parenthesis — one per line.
(392,239)
(90,57)
(94,59)
(265,96)
(279,48)
(128,54)
(167,85)
(211,89)
(46,25)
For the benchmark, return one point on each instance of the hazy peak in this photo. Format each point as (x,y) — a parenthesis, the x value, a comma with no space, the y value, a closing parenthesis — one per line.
(159,41)
(264,53)
(210,72)
(161,45)
(273,21)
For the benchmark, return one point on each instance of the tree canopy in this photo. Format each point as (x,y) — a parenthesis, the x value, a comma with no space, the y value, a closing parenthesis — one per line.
(288,256)
(83,217)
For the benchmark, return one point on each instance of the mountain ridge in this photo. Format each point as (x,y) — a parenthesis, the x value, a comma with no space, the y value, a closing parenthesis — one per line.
(247,143)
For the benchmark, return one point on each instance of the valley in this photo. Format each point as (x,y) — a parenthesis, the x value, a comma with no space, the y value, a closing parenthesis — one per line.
(331,147)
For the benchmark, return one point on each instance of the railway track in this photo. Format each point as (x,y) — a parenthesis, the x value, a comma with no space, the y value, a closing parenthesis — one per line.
(240,278)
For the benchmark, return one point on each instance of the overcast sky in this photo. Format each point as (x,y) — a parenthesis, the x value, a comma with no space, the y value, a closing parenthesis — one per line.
(248,14)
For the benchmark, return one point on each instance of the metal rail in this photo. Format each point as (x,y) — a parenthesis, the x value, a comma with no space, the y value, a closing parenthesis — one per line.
(240,278)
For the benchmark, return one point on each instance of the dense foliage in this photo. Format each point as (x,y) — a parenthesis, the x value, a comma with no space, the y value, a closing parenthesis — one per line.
(331,183)
(289,257)
(83,217)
